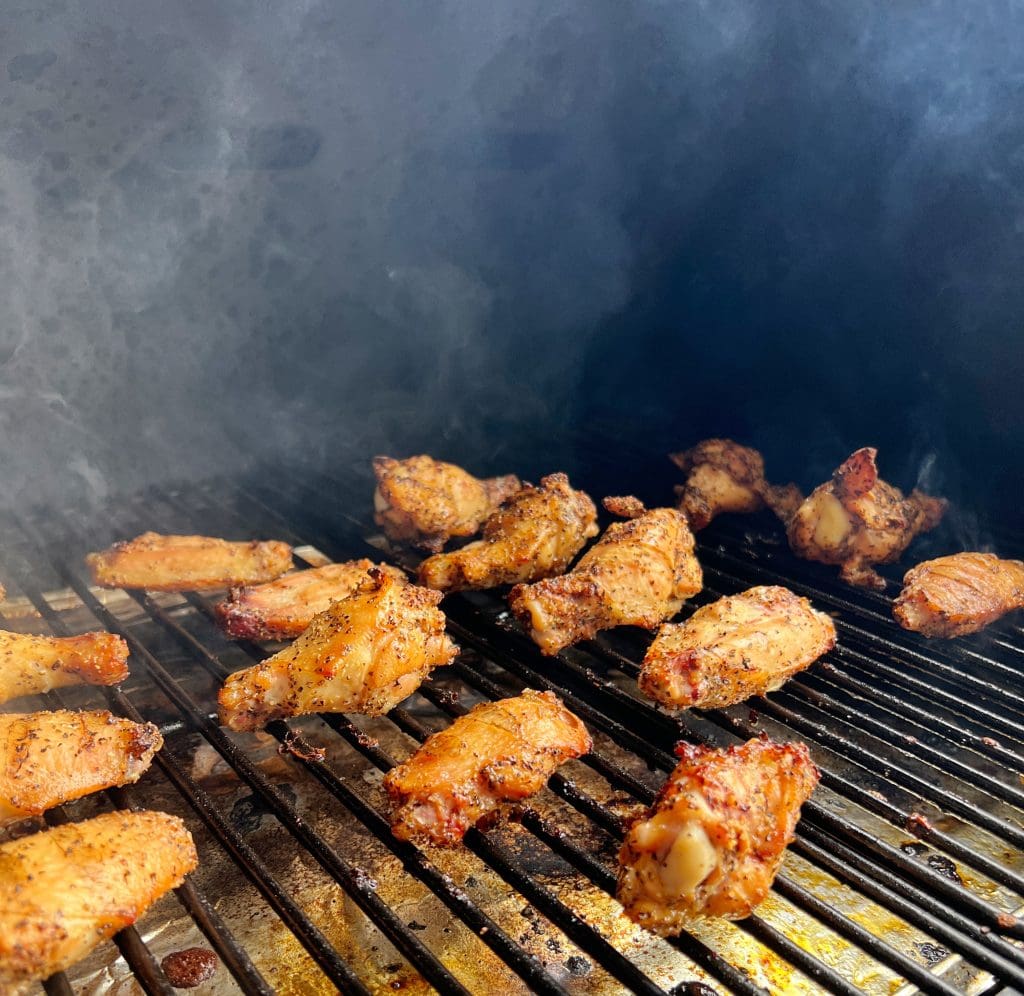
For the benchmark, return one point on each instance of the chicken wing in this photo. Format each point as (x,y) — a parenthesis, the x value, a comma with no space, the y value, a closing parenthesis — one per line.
(739,646)
(639,573)
(363,654)
(185,563)
(726,477)
(66,889)
(426,502)
(960,594)
(857,519)
(535,534)
(715,837)
(499,752)
(33,664)
(49,758)
(282,609)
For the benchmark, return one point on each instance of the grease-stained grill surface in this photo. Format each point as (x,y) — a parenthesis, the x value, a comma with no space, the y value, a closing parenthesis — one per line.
(905,875)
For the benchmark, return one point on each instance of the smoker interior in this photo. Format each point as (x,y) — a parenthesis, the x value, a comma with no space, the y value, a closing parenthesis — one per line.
(906,875)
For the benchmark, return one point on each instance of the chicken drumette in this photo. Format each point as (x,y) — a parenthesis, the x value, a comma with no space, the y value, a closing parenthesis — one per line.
(424,501)
(857,519)
(639,573)
(535,534)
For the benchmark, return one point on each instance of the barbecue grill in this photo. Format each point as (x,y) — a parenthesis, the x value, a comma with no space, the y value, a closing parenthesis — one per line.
(907,873)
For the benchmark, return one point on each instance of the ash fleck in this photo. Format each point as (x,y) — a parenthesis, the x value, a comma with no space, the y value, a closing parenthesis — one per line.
(913,848)
(945,867)
(416,925)
(554,945)
(694,989)
(932,953)
(529,912)
(578,966)
(448,697)
(293,744)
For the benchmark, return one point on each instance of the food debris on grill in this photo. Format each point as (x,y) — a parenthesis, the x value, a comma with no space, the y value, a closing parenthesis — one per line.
(189,968)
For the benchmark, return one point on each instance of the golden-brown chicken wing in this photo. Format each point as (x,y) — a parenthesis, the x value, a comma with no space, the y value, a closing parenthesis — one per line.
(424,501)
(33,664)
(715,837)
(535,534)
(185,563)
(282,609)
(857,519)
(726,477)
(66,889)
(49,758)
(499,752)
(739,646)
(639,573)
(363,654)
(960,594)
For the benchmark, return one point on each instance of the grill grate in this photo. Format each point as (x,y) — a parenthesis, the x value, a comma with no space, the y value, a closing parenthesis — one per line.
(908,859)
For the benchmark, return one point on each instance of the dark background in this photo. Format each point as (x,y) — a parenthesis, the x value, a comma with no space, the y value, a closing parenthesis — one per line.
(234,232)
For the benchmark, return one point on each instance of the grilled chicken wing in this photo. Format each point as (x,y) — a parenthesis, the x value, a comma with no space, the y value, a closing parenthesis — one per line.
(282,609)
(714,839)
(363,654)
(499,752)
(49,758)
(66,889)
(424,501)
(726,477)
(739,646)
(857,519)
(184,563)
(639,573)
(960,594)
(535,534)
(33,664)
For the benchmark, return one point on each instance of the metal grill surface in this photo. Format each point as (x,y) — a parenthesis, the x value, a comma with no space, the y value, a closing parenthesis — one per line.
(907,873)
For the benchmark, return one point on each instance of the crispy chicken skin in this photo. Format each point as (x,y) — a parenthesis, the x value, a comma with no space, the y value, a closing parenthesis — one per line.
(715,837)
(739,646)
(499,752)
(959,594)
(426,502)
(857,519)
(33,664)
(637,574)
(726,477)
(66,889)
(50,758)
(535,534)
(184,563)
(282,609)
(363,654)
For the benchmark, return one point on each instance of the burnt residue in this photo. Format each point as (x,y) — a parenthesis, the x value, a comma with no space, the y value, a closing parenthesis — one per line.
(914,848)
(247,813)
(932,953)
(189,968)
(941,864)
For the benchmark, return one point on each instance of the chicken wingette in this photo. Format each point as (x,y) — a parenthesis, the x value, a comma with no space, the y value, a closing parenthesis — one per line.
(639,573)
(723,476)
(736,647)
(535,534)
(960,594)
(64,890)
(856,519)
(498,752)
(426,502)
(33,664)
(282,609)
(185,563)
(715,837)
(363,654)
(49,758)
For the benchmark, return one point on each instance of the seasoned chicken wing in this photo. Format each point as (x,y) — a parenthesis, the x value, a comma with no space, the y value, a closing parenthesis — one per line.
(499,752)
(857,519)
(33,664)
(424,501)
(726,477)
(535,534)
(185,563)
(739,646)
(282,609)
(715,837)
(49,758)
(363,654)
(639,573)
(959,594)
(66,889)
